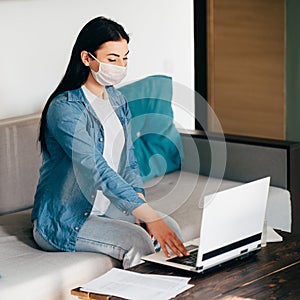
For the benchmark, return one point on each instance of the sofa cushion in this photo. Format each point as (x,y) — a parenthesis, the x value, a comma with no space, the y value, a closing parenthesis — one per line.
(30,273)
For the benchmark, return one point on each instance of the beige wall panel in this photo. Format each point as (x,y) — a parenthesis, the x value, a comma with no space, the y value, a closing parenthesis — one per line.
(246,66)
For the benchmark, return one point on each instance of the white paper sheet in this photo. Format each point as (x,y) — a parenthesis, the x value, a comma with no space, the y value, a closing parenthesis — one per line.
(136,286)
(273,236)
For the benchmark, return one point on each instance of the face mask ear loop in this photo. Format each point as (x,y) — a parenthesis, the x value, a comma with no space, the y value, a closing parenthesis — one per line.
(90,54)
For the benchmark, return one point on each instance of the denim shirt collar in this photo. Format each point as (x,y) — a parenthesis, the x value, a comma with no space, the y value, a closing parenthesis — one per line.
(78,96)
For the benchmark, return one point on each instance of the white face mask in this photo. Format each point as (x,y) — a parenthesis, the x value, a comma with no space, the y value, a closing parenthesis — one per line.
(108,74)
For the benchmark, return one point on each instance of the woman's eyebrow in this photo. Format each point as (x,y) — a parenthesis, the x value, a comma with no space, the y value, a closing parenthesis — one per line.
(117,55)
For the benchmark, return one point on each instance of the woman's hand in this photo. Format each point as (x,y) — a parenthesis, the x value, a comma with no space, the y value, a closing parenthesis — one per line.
(166,237)
(160,230)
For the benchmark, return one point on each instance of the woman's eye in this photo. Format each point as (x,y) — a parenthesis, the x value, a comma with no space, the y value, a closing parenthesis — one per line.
(111,60)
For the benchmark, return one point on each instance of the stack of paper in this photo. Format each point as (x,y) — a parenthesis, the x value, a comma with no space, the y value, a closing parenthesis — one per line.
(136,286)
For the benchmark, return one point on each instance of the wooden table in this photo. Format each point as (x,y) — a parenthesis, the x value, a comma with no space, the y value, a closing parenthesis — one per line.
(273,273)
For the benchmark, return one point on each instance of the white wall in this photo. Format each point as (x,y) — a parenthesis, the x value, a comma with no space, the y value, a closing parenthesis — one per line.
(37,37)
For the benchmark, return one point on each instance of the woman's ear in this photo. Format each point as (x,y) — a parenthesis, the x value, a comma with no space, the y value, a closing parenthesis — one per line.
(85,58)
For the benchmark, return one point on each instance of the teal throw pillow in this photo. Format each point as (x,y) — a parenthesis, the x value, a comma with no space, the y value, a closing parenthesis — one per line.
(158,146)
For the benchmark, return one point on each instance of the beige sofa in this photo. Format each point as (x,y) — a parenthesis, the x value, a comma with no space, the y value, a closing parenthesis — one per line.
(29,273)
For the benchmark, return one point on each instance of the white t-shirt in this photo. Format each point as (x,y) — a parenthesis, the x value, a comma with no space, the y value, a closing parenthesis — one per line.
(114,140)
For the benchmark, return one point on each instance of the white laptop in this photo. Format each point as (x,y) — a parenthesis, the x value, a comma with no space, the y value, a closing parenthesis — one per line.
(231,227)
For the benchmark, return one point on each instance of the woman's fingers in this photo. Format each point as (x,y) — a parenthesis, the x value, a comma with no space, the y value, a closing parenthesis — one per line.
(167,238)
(175,245)
(160,230)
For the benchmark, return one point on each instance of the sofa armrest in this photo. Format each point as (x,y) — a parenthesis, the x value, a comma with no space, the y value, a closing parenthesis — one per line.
(250,158)
(20,161)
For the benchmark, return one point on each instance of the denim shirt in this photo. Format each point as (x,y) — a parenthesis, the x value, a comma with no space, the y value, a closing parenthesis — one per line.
(74,168)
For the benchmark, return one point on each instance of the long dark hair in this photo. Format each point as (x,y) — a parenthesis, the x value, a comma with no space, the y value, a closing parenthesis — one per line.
(95,33)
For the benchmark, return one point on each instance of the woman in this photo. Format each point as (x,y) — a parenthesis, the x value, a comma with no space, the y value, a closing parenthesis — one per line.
(90,195)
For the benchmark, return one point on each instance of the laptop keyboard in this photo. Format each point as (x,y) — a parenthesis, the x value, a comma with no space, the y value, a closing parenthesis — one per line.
(186,260)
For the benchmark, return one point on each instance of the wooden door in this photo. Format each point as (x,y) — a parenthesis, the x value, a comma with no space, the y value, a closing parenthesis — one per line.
(246,66)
